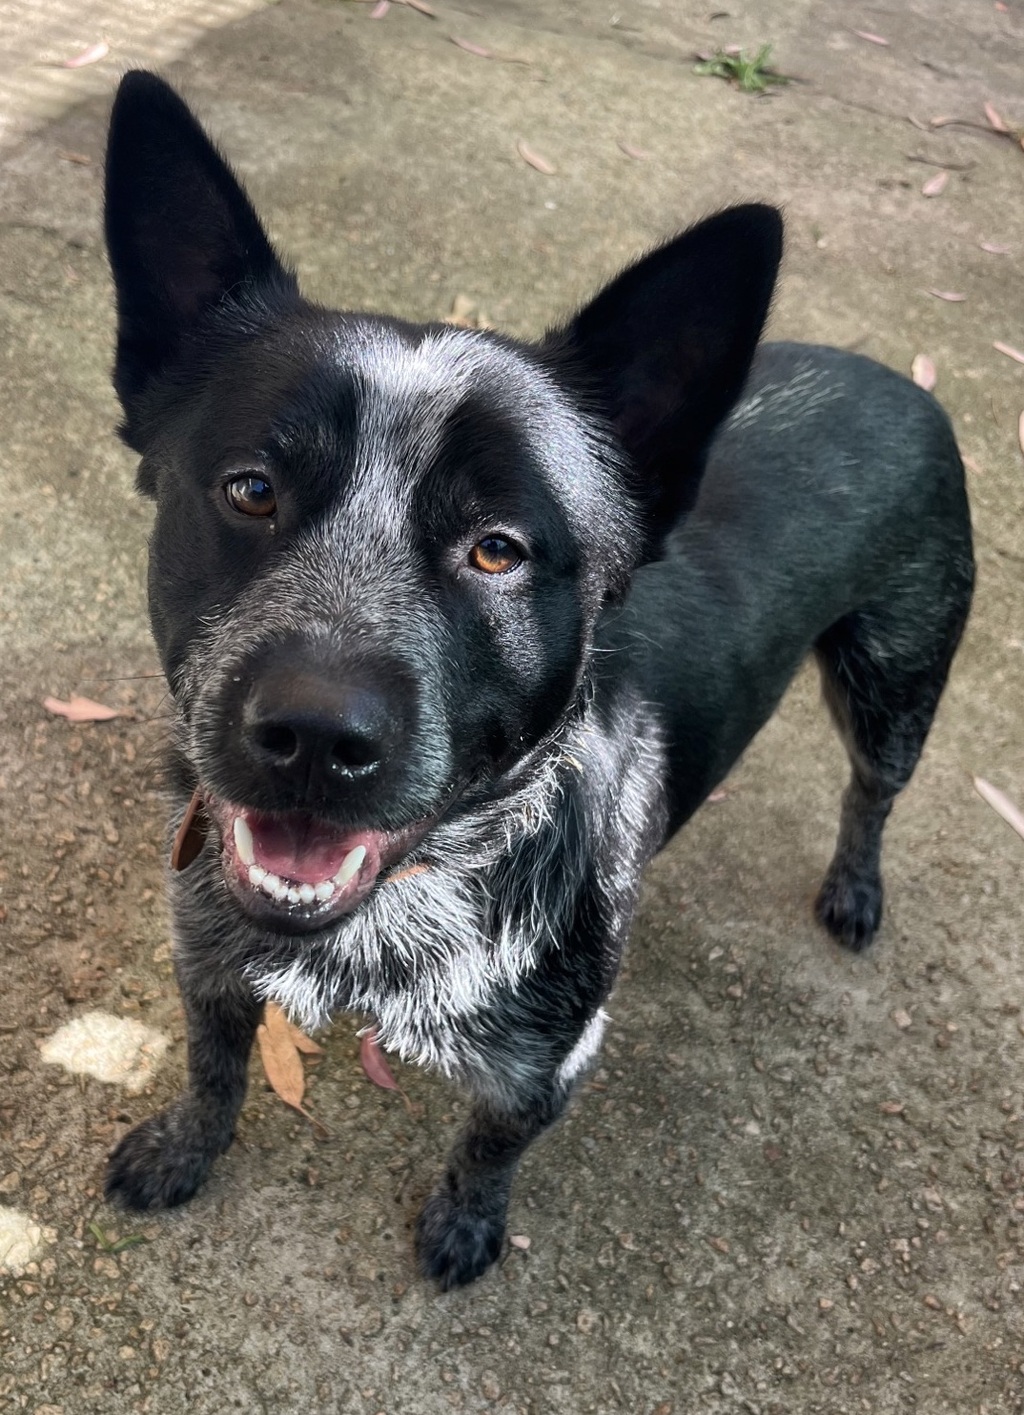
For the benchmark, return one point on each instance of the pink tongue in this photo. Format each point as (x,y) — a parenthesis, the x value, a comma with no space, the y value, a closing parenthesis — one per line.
(297,847)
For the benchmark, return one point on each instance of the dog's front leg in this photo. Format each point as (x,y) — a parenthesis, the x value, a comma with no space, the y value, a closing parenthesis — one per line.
(461,1228)
(164,1160)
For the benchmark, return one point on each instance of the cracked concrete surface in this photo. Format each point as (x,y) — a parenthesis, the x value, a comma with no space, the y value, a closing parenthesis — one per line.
(796,1183)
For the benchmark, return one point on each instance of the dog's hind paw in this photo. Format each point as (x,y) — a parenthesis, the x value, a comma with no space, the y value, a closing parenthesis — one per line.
(850,907)
(454,1244)
(162,1162)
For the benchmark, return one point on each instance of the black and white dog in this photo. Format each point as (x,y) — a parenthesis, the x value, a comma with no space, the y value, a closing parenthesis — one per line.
(461,630)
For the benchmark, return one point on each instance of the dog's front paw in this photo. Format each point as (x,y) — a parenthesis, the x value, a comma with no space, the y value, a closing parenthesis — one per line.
(850,907)
(456,1243)
(163,1161)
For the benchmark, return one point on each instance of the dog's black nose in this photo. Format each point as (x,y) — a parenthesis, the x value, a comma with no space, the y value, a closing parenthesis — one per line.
(317,732)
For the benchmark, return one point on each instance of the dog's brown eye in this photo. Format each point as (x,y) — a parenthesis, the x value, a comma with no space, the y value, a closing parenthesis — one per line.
(494,555)
(251,495)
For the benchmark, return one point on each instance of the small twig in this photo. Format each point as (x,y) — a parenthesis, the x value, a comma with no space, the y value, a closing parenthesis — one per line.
(948,166)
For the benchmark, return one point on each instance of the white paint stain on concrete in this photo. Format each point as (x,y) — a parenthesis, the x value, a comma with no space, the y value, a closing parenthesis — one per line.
(20,1240)
(113,1049)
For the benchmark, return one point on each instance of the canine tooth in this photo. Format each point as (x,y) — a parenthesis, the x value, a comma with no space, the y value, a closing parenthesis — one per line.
(270,883)
(243,842)
(257,874)
(350,865)
(307,893)
(324,890)
(281,892)
(293,896)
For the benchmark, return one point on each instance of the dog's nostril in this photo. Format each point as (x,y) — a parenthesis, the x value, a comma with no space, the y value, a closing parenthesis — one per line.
(278,739)
(351,751)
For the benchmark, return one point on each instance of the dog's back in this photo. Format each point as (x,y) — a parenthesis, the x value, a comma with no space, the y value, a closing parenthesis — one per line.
(834,489)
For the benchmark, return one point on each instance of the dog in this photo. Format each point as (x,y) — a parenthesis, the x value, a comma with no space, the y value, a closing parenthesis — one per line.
(461,630)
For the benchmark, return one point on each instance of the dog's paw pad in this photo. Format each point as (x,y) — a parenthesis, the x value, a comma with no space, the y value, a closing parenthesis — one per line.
(155,1166)
(454,1244)
(850,907)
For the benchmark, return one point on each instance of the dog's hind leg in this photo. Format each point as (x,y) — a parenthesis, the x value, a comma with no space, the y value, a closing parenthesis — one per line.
(883,670)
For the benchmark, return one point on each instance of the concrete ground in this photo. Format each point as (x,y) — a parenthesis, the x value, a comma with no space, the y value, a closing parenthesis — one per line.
(796,1184)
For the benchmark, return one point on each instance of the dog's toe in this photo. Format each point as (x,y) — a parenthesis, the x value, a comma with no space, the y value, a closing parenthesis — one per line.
(158,1164)
(850,907)
(454,1244)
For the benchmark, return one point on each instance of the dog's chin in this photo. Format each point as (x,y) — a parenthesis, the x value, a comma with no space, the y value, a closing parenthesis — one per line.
(293,872)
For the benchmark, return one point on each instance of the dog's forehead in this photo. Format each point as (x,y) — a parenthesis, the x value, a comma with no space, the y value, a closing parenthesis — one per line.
(412,383)
(416,377)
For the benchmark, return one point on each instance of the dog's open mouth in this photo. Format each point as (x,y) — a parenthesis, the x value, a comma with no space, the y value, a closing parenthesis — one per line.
(299,870)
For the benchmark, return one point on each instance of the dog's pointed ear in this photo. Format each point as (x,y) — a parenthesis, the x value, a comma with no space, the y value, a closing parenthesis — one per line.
(181,233)
(664,350)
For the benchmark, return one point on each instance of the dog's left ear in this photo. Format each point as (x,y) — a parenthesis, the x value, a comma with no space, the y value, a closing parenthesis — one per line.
(665,349)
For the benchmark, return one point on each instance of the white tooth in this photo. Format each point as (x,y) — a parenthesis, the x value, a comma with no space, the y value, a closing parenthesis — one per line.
(350,866)
(307,893)
(293,896)
(281,892)
(243,842)
(270,884)
(257,874)
(324,890)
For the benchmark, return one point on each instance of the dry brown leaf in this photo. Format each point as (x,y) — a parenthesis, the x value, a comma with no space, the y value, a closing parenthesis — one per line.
(1009,351)
(78,709)
(80,159)
(935,185)
(949,295)
(535,159)
(471,48)
(922,371)
(421,6)
(1000,802)
(994,249)
(92,55)
(305,1044)
(281,1060)
(995,121)
(871,38)
(637,153)
(374,1063)
(282,1063)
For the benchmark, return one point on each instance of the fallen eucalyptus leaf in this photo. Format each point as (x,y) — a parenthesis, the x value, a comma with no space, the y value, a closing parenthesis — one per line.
(997,799)
(92,55)
(535,159)
(78,709)
(935,185)
(1009,351)
(922,371)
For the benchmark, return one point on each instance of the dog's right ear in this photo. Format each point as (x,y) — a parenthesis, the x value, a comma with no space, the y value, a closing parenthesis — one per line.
(182,236)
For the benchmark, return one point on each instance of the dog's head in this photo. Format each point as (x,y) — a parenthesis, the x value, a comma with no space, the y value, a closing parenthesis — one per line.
(381,549)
